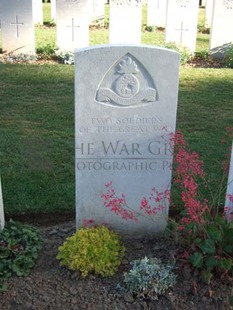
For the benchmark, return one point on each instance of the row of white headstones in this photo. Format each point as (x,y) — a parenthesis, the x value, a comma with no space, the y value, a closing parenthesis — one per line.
(73,19)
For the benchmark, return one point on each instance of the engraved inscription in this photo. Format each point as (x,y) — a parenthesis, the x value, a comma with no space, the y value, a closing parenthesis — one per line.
(181,29)
(228,4)
(127,83)
(17,24)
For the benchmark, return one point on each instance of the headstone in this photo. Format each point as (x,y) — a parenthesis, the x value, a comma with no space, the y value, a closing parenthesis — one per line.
(125,110)
(37,11)
(98,9)
(208,13)
(181,23)
(229,195)
(156,13)
(221,34)
(125,20)
(53,9)
(17,26)
(2,218)
(72,19)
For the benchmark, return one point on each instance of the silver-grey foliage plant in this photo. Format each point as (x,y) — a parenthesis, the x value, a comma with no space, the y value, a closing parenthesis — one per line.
(149,278)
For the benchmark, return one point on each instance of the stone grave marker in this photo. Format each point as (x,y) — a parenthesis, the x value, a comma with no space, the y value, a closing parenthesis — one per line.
(229,195)
(2,218)
(98,10)
(17,26)
(208,13)
(125,20)
(37,12)
(72,19)
(156,13)
(125,110)
(53,9)
(181,23)
(221,34)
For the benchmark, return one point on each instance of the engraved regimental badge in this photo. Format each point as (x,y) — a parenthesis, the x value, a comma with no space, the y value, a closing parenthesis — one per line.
(127,83)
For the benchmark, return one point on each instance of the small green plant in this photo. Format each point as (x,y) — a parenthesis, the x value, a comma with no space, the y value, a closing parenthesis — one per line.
(19,246)
(203,54)
(47,49)
(228,59)
(65,57)
(185,54)
(149,278)
(14,58)
(203,227)
(92,249)
(201,28)
(150,28)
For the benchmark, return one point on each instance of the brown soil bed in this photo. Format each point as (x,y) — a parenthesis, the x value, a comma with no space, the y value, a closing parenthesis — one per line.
(50,286)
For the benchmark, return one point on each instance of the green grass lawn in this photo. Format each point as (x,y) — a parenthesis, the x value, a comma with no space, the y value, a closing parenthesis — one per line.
(37,130)
(37,124)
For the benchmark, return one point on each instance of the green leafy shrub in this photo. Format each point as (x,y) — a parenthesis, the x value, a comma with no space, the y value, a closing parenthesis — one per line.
(185,54)
(65,57)
(92,249)
(47,49)
(228,59)
(215,250)
(150,28)
(19,246)
(203,54)
(149,278)
(201,28)
(204,228)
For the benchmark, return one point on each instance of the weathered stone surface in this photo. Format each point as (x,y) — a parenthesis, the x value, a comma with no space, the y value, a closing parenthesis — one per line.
(181,23)
(125,111)
(17,26)
(221,34)
(125,20)
(72,19)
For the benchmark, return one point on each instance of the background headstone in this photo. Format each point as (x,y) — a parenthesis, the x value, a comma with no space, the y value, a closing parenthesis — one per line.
(98,11)
(72,19)
(221,34)
(53,9)
(156,13)
(229,195)
(37,11)
(17,26)
(181,23)
(2,218)
(125,20)
(125,110)
(208,13)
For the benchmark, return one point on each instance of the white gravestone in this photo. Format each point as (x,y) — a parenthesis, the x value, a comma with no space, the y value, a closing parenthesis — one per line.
(53,9)
(125,108)
(229,195)
(17,27)
(72,19)
(221,34)
(2,218)
(98,9)
(156,13)
(37,11)
(125,20)
(181,23)
(208,13)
